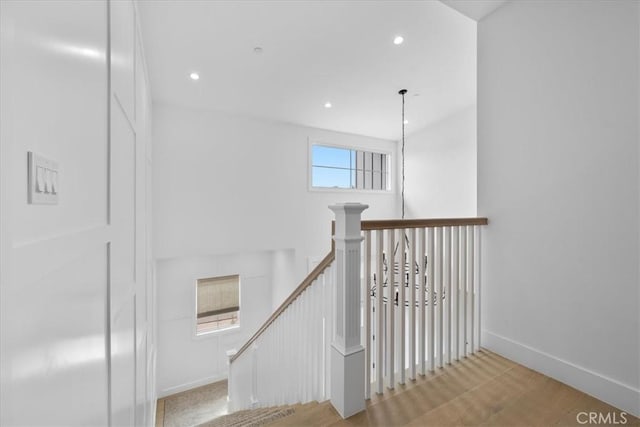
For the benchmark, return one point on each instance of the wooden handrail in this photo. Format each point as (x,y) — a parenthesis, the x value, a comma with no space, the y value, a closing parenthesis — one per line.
(386,224)
(295,294)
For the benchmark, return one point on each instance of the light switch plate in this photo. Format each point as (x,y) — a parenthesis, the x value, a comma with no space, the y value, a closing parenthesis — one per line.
(44,180)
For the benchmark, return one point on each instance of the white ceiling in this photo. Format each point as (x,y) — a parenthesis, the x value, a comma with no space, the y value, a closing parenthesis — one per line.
(475,9)
(313,52)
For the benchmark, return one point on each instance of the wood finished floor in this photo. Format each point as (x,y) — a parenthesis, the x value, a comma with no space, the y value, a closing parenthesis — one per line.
(481,390)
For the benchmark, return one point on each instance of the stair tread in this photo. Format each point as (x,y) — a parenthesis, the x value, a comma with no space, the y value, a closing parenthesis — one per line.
(257,416)
(319,414)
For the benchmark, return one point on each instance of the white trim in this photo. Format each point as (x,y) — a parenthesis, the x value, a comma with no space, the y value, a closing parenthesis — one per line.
(190,385)
(346,190)
(390,168)
(218,332)
(611,391)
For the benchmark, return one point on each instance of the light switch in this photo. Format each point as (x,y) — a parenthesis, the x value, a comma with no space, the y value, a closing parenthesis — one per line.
(43,180)
(54,182)
(47,181)
(39,179)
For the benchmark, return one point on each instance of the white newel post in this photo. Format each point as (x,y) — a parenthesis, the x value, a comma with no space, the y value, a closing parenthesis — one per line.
(230,379)
(347,354)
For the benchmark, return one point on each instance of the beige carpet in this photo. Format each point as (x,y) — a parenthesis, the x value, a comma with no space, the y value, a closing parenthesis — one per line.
(207,406)
(250,418)
(193,407)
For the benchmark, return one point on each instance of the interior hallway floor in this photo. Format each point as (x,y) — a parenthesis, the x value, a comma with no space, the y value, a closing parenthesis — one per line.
(193,407)
(484,389)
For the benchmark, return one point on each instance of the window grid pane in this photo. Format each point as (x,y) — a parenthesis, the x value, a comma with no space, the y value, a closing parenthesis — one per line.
(333,167)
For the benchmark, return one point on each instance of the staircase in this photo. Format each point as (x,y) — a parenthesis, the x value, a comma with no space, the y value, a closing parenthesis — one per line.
(365,320)
(256,417)
(312,413)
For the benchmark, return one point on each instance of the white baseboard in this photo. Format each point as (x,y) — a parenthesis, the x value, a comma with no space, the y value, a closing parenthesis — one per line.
(608,390)
(188,386)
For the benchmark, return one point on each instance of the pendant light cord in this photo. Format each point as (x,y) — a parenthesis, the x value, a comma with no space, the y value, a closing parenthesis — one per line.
(402,92)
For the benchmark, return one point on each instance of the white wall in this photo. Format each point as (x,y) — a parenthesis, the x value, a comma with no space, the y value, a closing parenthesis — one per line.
(232,184)
(283,274)
(184,359)
(231,197)
(558,178)
(440,168)
(75,291)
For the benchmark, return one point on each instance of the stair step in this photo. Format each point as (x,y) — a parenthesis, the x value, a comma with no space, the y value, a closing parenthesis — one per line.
(254,417)
(317,414)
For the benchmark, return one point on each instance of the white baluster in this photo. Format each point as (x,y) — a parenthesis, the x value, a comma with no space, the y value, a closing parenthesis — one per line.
(291,343)
(231,380)
(401,307)
(325,341)
(379,312)
(263,396)
(301,323)
(275,360)
(455,252)
(367,313)
(320,340)
(303,319)
(254,376)
(314,341)
(286,343)
(329,298)
(317,339)
(279,349)
(271,363)
(472,286)
(447,281)
(307,320)
(390,356)
(311,327)
(295,354)
(438,300)
(284,354)
(412,305)
(463,286)
(422,302)
(430,307)
(479,261)
(303,348)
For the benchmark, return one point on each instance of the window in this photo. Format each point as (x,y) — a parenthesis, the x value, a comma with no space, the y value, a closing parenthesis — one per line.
(217,304)
(335,167)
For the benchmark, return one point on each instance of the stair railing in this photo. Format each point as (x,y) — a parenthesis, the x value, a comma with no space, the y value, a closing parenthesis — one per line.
(286,360)
(310,347)
(422,279)
(419,292)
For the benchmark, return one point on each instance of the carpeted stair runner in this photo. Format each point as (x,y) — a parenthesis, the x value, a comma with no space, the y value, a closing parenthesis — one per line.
(250,417)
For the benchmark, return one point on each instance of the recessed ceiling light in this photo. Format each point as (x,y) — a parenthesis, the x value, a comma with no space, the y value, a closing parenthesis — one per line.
(406,122)
(194,76)
(327,105)
(257,50)
(398,40)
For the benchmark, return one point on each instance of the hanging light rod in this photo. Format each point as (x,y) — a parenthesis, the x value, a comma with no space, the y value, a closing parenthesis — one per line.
(403,92)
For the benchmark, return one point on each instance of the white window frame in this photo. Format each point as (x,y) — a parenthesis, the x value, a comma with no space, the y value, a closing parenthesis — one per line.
(194,311)
(390,168)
